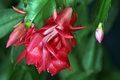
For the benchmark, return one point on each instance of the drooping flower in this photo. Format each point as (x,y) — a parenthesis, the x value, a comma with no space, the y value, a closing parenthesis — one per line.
(20,29)
(48,47)
(99,33)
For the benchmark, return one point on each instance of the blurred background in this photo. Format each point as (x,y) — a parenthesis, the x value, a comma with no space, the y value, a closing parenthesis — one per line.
(89,59)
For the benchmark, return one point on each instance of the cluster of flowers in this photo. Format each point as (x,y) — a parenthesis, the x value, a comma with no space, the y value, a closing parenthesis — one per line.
(48,46)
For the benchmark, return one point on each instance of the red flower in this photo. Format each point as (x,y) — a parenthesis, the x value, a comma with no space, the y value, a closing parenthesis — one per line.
(48,47)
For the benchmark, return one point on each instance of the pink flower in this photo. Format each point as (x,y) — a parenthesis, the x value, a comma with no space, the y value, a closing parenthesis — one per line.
(99,33)
(48,47)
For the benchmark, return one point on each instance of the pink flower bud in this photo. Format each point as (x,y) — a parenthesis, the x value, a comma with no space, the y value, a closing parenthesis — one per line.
(16,34)
(99,33)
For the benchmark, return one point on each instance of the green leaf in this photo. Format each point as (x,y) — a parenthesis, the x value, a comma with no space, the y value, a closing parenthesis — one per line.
(7,72)
(15,52)
(8,18)
(18,73)
(78,76)
(113,13)
(88,59)
(65,3)
(99,59)
(34,73)
(102,11)
(39,11)
(28,76)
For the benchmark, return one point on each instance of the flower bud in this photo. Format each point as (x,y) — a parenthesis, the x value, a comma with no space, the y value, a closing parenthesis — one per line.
(99,33)
(17,34)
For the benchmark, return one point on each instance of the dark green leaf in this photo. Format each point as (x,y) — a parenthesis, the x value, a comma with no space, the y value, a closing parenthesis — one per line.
(8,18)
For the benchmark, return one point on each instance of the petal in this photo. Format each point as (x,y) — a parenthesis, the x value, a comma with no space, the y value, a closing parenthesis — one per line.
(73,19)
(44,61)
(19,11)
(51,50)
(21,56)
(58,65)
(65,35)
(64,17)
(76,28)
(35,41)
(33,56)
(66,43)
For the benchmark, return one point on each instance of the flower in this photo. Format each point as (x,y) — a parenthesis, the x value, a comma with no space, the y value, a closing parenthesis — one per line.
(48,46)
(20,29)
(16,34)
(99,33)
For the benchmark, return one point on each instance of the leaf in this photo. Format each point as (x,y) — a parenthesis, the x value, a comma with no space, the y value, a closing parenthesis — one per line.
(99,59)
(18,73)
(8,18)
(86,1)
(113,13)
(88,59)
(78,76)
(39,11)
(65,3)
(102,11)
(28,76)
(15,52)
(7,72)
(35,75)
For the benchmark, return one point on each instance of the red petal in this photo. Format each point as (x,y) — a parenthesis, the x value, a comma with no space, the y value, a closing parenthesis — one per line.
(73,40)
(35,41)
(66,43)
(58,65)
(73,19)
(44,60)
(33,56)
(65,35)
(76,28)
(64,17)
(19,11)
(21,56)
(51,50)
